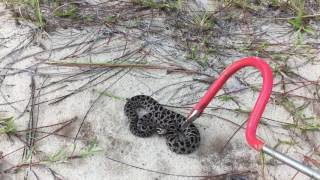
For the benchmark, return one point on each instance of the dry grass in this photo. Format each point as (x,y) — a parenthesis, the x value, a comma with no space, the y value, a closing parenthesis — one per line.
(195,42)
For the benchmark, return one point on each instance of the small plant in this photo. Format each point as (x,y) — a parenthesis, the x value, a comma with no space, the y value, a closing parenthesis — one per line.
(203,22)
(275,3)
(248,111)
(262,160)
(70,12)
(32,9)
(243,4)
(299,24)
(165,5)
(112,96)
(65,154)
(261,48)
(226,98)
(297,113)
(88,19)
(304,128)
(7,126)
(194,54)
(28,155)
(59,156)
(91,149)
(110,19)
(35,4)
(285,142)
(198,55)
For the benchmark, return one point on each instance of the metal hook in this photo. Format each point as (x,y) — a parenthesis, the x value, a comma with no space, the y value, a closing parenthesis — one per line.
(256,113)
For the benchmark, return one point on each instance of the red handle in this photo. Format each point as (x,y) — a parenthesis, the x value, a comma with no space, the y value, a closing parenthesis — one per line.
(260,105)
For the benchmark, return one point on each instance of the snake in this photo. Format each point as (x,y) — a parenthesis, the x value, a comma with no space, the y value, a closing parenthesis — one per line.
(161,121)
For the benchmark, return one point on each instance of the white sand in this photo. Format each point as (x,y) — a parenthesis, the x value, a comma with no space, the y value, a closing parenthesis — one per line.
(107,122)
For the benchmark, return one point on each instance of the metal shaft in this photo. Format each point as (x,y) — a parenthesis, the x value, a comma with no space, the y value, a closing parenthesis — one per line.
(291,162)
(193,116)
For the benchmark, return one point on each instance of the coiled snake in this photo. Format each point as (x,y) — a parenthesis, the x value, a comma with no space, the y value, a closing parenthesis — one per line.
(162,121)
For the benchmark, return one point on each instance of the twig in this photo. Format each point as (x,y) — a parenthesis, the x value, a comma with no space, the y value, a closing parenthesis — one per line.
(182,175)
(140,66)
(304,16)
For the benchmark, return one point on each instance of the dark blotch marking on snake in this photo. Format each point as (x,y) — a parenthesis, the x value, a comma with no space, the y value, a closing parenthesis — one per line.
(162,121)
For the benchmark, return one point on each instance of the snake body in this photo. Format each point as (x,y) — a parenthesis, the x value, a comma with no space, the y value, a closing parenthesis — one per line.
(158,119)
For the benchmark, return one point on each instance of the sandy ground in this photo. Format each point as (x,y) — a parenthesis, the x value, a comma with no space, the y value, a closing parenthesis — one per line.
(121,152)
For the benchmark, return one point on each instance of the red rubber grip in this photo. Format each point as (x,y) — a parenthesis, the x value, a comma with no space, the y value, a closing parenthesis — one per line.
(261,103)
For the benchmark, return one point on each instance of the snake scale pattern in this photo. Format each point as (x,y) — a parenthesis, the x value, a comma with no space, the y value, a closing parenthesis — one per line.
(159,120)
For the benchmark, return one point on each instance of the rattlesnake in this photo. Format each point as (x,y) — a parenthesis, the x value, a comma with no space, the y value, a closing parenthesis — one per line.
(163,121)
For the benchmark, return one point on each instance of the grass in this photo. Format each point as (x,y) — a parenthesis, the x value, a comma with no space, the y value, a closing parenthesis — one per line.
(65,154)
(289,143)
(28,157)
(113,96)
(201,38)
(91,149)
(35,4)
(198,55)
(297,113)
(36,16)
(300,27)
(299,23)
(226,98)
(70,12)
(203,21)
(301,121)
(275,3)
(262,160)
(58,157)
(7,126)
(311,127)
(163,5)
(194,53)
(110,19)
(243,4)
